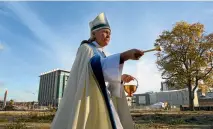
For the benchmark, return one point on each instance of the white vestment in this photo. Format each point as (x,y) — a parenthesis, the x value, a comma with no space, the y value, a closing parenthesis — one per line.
(84,105)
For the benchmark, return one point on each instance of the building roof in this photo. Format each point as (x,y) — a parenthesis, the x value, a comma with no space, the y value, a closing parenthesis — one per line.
(169,91)
(54,70)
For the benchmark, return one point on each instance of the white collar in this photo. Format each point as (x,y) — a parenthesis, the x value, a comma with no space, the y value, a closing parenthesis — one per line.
(98,46)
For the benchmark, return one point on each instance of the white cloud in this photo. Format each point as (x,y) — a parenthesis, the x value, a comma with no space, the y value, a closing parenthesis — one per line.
(1,85)
(53,44)
(146,72)
(58,45)
(20,95)
(148,75)
(208,11)
(1,46)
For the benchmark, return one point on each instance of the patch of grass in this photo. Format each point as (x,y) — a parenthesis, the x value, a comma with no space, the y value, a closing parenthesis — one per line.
(176,122)
(137,126)
(3,120)
(173,119)
(36,118)
(159,117)
(16,125)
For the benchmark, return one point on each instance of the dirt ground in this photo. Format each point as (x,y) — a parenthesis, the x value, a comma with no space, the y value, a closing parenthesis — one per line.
(144,119)
(172,119)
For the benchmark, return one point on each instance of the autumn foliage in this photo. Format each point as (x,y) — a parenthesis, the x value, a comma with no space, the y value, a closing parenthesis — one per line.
(186,58)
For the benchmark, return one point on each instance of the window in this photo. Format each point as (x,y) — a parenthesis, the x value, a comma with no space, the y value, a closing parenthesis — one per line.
(142,99)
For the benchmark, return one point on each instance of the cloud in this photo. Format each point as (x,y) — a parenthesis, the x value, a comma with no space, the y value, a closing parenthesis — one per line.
(1,84)
(147,74)
(20,95)
(58,44)
(2,11)
(1,46)
(208,11)
(54,44)
(59,47)
(145,70)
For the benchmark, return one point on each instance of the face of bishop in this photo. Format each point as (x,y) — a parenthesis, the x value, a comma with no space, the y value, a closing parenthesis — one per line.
(102,36)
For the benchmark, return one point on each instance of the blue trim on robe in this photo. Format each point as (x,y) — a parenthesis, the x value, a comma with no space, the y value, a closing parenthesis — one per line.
(95,62)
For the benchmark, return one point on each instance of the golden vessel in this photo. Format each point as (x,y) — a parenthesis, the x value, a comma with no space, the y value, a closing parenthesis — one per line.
(130,89)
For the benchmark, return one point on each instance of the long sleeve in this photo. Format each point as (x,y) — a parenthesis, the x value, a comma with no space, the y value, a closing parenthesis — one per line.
(112,70)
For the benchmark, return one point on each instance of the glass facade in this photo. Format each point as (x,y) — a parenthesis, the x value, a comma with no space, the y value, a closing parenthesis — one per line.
(51,87)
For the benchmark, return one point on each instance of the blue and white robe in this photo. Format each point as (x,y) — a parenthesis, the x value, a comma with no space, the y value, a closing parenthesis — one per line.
(111,73)
(87,102)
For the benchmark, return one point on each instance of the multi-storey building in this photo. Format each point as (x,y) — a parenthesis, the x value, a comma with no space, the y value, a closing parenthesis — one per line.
(51,87)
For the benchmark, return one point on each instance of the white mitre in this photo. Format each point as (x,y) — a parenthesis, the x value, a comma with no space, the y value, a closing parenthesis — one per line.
(100,22)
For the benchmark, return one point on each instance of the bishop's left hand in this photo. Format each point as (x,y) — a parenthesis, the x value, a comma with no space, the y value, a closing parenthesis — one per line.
(127,78)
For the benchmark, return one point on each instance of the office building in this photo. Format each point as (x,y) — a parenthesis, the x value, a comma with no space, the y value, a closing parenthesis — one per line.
(174,97)
(51,87)
(165,87)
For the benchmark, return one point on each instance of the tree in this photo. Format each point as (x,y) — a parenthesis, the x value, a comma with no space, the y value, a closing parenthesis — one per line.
(10,106)
(11,102)
(186,57)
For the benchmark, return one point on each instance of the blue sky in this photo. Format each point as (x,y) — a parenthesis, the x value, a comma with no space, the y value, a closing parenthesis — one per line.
(36,37)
